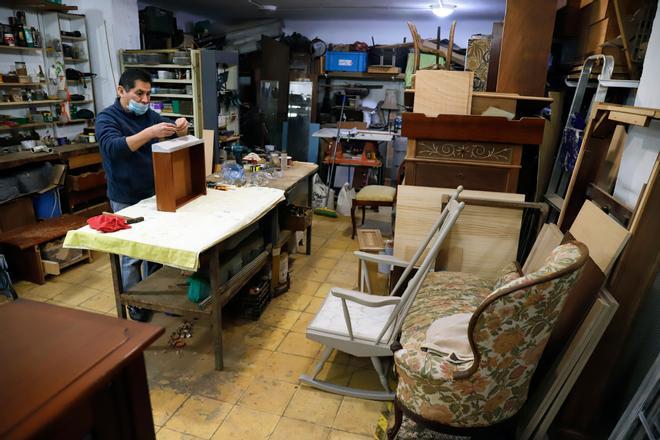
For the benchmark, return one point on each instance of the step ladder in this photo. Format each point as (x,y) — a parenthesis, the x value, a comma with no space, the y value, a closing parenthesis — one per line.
(560,177)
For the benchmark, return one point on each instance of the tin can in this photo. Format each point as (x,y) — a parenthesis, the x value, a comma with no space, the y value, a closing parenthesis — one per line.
(9,39)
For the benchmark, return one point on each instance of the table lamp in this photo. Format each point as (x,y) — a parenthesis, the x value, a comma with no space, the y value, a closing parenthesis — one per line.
(390,104)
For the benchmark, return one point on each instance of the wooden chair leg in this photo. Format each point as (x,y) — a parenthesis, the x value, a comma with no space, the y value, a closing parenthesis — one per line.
(398,418)
(353,220)
(364,210)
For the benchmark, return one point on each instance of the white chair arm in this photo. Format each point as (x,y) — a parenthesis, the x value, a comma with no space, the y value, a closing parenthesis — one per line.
(364,299)
(384,259)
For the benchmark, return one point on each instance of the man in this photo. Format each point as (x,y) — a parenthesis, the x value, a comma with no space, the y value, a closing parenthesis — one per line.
(125,131)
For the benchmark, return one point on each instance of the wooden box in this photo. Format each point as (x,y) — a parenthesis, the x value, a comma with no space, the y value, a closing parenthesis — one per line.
(179,172)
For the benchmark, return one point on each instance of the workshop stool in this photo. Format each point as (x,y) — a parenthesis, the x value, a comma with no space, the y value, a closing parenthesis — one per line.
(374,196)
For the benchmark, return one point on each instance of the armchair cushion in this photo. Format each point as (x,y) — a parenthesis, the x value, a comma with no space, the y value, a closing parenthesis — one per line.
(510,329)
(508,273)
(376,193)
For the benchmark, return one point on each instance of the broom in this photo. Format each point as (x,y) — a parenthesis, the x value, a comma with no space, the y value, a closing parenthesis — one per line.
(325,211)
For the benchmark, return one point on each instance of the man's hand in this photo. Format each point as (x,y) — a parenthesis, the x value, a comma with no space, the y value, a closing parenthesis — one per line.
(181,125)
(162,130)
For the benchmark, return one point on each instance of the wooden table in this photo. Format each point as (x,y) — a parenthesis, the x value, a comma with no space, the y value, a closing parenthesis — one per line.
(68,373)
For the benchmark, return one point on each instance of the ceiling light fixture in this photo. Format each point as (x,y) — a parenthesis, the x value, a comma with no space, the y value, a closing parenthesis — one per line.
(443,10)
(262,7)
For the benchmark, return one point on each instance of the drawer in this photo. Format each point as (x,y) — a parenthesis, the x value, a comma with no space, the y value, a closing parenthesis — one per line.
(477,178)
(85,181)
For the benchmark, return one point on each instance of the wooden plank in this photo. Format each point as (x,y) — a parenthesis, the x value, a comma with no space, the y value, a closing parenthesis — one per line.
(525,131)
(524,60)
(494,62)
(609,204)
(550,144)
(485,237)
(594,38)
(544,404)
(442,92)
(604,237)
(609,169)
(549,238)
(207,136)
(629,118)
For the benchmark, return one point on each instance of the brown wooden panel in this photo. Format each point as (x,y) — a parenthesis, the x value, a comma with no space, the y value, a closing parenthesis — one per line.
(526,41)
(27,236)
(494,63)
(181,174)
(163,182)
(473,128)
(84,160)
(444,175)
(17,213)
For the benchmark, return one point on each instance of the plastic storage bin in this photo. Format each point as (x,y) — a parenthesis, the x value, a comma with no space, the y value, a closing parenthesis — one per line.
(346,61)
(47,205)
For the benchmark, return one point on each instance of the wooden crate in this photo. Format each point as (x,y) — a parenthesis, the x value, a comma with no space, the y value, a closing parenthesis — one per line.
(179,172)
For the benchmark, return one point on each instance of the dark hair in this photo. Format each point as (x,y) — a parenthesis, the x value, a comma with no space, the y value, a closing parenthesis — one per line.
(128,78)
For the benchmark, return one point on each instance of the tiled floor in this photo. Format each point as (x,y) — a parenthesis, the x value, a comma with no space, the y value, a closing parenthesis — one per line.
(257,395)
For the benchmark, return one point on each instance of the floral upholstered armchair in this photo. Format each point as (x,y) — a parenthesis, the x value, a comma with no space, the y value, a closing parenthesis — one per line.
(508,326)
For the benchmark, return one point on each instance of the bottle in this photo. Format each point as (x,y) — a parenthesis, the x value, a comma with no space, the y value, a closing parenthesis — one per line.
(40,75)
(29,40)
(20,36)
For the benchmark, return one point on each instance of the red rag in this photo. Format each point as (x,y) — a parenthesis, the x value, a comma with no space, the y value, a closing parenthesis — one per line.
(107,223)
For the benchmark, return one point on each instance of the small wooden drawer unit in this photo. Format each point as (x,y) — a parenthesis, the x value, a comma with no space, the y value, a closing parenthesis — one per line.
(179,172)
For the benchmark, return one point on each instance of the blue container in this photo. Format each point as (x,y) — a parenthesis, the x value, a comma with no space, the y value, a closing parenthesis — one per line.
(346,61)
(47,205)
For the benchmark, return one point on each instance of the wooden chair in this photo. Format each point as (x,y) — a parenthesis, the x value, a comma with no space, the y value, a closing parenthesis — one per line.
(422,46)
(374,196)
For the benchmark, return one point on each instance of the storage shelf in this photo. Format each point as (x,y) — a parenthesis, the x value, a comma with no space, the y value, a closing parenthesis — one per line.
(71,16)
(26,126)
(178,115)
(74,122)
(170,95)
(32,84)
(30,103)
(365,75)
(64,37)
(79,82)
(160,66)
(75,60)
(19,49)
(173,81)
(86,101)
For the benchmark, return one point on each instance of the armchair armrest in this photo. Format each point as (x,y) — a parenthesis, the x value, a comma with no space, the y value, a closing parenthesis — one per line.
(364,299)
(383,259)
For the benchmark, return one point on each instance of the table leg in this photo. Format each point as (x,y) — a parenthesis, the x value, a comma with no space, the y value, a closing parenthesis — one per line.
(213,262)
(310,193)
(117,283)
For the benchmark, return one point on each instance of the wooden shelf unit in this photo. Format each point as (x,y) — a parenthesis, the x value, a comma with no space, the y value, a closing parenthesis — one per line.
(30,103)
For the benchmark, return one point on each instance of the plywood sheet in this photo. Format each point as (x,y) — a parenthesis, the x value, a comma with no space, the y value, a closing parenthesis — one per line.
(442,92)
(208,135)
(549,238)
(604,237)
(482,241)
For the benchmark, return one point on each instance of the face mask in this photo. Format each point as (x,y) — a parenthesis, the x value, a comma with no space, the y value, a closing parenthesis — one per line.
(137,108)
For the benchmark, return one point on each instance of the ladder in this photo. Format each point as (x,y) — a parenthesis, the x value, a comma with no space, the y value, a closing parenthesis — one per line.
(560,177)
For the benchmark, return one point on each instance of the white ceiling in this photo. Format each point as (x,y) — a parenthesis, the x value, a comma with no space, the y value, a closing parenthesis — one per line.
(234,10)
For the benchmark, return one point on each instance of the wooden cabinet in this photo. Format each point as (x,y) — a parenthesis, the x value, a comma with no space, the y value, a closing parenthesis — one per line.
(73,374)
(479,152)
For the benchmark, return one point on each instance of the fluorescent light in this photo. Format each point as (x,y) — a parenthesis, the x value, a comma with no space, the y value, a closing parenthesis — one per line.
(443,10)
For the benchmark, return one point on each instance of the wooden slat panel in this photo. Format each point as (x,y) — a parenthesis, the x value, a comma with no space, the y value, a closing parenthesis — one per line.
(604,237)
(526,40)
(443,92)
(482,241)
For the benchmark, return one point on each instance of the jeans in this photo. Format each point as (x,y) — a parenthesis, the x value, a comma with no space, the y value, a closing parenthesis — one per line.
(132,269)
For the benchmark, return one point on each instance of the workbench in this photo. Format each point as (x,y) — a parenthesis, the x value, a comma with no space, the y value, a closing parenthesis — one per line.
(220,215)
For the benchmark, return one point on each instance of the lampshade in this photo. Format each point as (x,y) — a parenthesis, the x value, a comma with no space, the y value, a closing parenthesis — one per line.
(390,102)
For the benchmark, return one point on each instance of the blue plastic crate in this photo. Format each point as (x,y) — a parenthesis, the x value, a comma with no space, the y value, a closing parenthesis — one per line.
(346,61)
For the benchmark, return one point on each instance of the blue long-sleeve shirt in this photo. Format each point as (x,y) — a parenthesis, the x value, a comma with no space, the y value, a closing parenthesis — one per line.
(129,174)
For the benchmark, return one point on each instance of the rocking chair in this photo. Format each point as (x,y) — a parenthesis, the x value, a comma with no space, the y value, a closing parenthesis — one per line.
(366,325)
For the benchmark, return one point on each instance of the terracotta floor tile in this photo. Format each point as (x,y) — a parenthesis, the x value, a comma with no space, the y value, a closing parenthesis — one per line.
(22,286)
(303,321)
(103,302)
(312,274)
(297,343)
(278,317)
(337,244)
(75,295)
(314,406)
(285,367)
(323,290)
(358,416)
(164,403)
(289,429)
(314,305)
(268,395)
(50,290)
(329,253)
(292,301)
(323,263)
(216,385)
(336,373)
(246,423)
(264,336)
(342,278)
(169,434)
(199,416)
(343,435)
(305,287)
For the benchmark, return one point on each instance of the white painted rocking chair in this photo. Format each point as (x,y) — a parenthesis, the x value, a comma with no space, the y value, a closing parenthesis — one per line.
(366,325)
